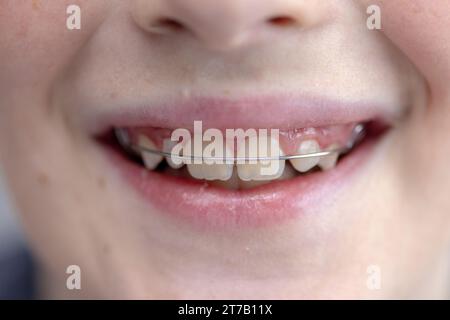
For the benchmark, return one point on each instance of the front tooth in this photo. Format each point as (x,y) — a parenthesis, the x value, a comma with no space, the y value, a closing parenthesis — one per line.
(211,170)
(329,161)
(167,147)
(261,170)
(151,160)
(306,164)
(123,137)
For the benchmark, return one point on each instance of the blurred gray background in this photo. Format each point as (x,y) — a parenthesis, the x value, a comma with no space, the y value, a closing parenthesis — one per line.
(16,267)
(9,231)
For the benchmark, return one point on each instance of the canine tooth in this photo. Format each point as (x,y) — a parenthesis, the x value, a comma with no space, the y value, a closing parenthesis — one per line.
(122,136)
(167,147)
(151,160)
(306,164)
(329,161)
(261,170)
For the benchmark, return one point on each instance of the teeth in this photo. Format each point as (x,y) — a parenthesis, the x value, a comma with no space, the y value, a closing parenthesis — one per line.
(209,170)
(167,147)
(247,174)
(329,162)
(151,160)
(261,170)
(306,164)
(123,137)
(233,183)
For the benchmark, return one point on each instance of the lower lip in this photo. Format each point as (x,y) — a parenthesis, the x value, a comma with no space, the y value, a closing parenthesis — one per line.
(215,208)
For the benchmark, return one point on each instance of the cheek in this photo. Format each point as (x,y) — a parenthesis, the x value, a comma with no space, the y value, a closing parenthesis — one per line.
(421,29)
(35,44)
(27,28)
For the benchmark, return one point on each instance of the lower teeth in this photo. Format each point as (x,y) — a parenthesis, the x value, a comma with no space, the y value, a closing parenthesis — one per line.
(234,182)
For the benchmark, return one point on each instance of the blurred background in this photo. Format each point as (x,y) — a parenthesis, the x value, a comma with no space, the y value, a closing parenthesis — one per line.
(15,262)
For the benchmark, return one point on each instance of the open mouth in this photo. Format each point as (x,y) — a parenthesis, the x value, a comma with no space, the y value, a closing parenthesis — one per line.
(295,152)
(235,195)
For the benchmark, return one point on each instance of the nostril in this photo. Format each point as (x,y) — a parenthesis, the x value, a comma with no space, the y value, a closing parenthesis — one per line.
(169,24)
(281,21)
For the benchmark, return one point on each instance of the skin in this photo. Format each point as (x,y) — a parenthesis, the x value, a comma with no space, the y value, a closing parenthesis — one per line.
(77,210)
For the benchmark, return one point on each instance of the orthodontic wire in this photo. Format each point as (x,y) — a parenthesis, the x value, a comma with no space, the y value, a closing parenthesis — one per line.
(357,134)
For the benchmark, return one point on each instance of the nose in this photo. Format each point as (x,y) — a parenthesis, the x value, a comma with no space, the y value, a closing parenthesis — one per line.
(222,24)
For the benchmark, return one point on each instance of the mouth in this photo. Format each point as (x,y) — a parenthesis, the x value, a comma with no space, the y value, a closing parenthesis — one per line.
(235,194)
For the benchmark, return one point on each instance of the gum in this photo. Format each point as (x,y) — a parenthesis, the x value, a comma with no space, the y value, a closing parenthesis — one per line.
(290,140)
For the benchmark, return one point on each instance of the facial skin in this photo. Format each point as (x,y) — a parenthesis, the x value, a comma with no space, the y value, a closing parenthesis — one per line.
(77,210)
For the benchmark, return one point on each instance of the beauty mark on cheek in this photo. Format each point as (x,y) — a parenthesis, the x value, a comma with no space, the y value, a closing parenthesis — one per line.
(35,4)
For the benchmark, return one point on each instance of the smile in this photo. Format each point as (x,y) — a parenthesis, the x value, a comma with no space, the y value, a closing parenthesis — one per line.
(237,193)
(242,156)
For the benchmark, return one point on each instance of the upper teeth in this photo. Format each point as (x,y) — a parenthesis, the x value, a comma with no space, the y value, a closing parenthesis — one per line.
(261,170)
(151,160)
(211,171)
(306,164)
(257,171)
(167,147)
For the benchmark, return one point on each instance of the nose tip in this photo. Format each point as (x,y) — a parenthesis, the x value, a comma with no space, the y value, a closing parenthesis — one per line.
(219,24)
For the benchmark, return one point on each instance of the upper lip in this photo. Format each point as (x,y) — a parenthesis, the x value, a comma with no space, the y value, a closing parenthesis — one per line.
(282,112)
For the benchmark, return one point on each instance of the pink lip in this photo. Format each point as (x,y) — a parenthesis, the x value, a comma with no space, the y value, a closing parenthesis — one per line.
(213,208)
(218,208)
(282,112)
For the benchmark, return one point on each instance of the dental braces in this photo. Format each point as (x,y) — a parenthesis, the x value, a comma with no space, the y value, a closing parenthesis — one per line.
(356,136)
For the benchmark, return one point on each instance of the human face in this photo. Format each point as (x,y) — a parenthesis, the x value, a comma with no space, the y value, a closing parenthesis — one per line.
(305,65)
